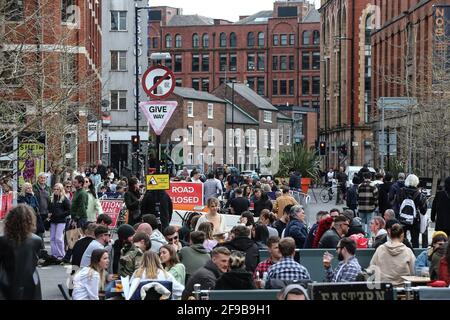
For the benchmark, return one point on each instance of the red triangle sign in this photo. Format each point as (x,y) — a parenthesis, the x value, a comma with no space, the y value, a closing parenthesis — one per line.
(158,113)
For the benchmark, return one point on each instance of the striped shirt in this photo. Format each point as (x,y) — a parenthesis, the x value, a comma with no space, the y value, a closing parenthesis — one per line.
(367,197)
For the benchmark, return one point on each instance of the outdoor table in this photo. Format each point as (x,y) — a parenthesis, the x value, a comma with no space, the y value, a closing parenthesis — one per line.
(416,281)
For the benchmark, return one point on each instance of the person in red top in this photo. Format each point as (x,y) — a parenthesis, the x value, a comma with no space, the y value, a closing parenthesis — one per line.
(444,267)
(263,267)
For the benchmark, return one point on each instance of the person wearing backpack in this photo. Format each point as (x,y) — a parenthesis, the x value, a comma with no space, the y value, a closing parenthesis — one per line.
(440,211)
(411,206)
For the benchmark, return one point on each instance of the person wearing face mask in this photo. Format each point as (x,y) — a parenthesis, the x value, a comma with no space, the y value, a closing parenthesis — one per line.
(348,267)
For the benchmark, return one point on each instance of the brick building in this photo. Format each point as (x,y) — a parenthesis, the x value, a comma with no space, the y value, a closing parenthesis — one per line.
(345,101)
(275,53)
(54,86)
(405,47)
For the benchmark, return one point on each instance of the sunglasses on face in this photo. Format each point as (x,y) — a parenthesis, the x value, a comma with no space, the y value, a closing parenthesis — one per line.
(172,239)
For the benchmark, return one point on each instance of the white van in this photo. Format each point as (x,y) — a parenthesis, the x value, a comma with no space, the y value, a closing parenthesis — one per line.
(350,172)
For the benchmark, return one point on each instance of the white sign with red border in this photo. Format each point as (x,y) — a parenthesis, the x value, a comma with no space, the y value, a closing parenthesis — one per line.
(158,82)
(158,113)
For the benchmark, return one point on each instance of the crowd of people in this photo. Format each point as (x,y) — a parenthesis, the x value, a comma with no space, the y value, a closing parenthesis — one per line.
(203,252)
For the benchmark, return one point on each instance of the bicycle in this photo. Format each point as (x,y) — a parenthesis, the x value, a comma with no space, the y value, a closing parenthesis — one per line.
(327,193)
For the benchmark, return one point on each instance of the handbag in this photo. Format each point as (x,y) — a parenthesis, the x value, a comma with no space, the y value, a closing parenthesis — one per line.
(72,236)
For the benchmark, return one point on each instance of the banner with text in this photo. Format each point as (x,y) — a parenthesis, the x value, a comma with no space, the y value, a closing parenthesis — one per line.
(112,208)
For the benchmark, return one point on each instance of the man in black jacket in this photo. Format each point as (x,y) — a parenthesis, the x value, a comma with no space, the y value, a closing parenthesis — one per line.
(355,224)
(242,242)
(331,238)
(163,211)
(207,276)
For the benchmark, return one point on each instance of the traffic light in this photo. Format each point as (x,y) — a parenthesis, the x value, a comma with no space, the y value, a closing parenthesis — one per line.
(323,148)
(135,140)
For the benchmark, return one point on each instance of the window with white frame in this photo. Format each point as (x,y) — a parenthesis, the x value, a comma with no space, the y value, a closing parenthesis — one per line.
(288,137)
(265,139)
(268,116)
(230,138)
(253,140)
(272,139)
(118,100)
(210,159)
(118,60)
(280,135)
(190,158)
(210,136)
(118,20)
(210,111)
(238,137)
(190,108)
(190,137)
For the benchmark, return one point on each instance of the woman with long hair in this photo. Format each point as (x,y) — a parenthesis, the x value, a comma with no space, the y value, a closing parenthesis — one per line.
(171,263)
(19,249)
(90,281)
(263,202)
(213,216)
(94,208)
(59,210)
(152,269)
(260,234)
(132,200)
(208,228)
(27,196)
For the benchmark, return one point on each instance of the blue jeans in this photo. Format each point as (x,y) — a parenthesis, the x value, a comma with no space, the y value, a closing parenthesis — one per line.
(365,220)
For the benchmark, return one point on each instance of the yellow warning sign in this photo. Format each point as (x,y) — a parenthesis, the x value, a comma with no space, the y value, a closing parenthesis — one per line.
(158,182)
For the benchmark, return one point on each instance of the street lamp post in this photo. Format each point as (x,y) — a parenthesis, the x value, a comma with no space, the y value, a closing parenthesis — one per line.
(136,53)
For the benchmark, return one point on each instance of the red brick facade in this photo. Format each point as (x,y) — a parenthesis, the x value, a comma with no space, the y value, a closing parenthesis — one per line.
(280,81)
(344,95)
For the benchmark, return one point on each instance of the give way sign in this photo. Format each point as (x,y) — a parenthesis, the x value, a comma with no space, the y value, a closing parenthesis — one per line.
(158,82)
(158,113)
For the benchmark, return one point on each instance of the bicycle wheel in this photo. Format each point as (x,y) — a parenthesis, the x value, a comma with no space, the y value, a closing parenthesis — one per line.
(324,195)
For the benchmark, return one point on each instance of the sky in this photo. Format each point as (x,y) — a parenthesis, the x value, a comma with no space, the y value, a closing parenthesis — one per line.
(224,9)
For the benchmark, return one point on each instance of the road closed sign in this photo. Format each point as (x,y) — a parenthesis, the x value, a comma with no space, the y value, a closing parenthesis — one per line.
(186,195)
(112,208)
(158,113)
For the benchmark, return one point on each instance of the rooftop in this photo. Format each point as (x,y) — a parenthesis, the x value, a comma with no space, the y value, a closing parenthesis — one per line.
(190,93)
(190,20)
(252,97)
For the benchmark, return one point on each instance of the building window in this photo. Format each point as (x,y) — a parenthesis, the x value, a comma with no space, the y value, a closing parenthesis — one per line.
(251,83)
(210,111)
(178,41)
(68,69)
(233,40)
(250,39)
(292,39)
(223,62)
(118,20)
(281,135)
(210,136)
(233,61)
(190,109)
(316,85)
(316,37)
(155,43)
(238,138)
(190,136)
(261,61)
(368,68)
(261,39)
(118,60)
(195,41)
(168,41)
(316,61)
(275,63)
(288,136)
(284,40)
(306,37)
(178,82)
(283,87)
(252,140)
(291,63)
(196,84)
(205,62)
(291,87)
(268,116)
(305,61)
(205,40)
(251,62)
(13,10)
(283,62)
(275,40)
(275,87)
(305,86)
(260,88)
(265,139)
(223,40)
(195,63)
(178,63)
(205,84)
(118,100)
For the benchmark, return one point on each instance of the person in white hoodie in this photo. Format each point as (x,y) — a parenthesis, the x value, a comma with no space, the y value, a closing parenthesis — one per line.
(152,269)
(393,259)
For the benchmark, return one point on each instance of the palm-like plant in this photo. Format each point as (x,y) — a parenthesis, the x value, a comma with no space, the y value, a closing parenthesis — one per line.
(301,159)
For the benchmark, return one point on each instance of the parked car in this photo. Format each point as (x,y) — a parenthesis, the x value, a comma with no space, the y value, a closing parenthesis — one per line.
(350,172)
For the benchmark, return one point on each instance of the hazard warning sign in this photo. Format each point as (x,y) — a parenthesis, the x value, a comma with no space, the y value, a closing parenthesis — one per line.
(158,182)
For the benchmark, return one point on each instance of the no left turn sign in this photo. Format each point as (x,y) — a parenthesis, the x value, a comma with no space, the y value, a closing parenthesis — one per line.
(158,82)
